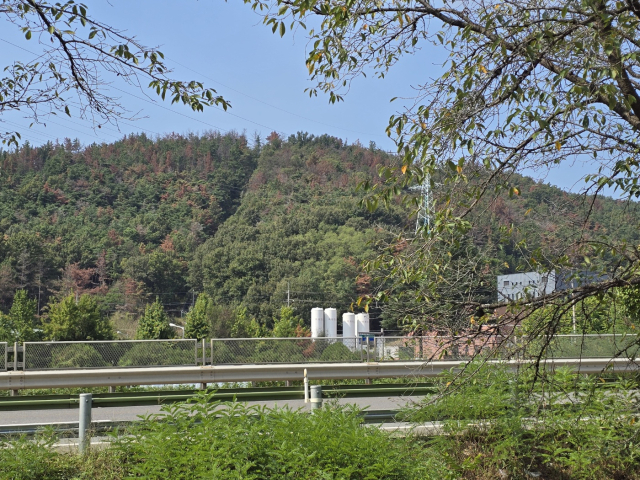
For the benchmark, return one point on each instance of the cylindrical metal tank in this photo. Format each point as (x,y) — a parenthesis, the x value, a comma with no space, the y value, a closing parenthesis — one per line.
(317,322)
(330,322)
(362,323)
(349,330)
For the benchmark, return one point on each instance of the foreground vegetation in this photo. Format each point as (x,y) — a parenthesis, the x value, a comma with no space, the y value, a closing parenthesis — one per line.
(494,425)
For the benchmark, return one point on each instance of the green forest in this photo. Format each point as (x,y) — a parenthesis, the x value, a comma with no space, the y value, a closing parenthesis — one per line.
(139,229)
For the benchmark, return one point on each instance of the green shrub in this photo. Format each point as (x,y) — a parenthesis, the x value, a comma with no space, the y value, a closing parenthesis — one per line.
(234,441)
(278,351)
(75,355)
(338,352)
(558,425)
(149,354)
(31,459)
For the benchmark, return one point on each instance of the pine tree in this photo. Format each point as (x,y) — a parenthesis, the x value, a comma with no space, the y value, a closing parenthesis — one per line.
(77,320)
(197,325)
(154,324)
(20,325)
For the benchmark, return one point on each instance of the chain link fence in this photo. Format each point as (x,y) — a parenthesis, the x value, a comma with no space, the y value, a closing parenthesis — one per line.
(594,346)
(432,348)
(367,348)
(285,350)
(4,356)
(109,354)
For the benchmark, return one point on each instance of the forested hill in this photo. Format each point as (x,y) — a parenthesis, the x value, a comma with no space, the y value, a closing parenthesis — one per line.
(142,219)
(122,219)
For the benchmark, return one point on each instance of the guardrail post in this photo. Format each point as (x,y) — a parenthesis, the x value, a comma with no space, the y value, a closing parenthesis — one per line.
(85,422)
(316,397)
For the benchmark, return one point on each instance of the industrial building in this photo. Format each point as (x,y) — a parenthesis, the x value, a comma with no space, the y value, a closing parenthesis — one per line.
(534,284)
(522,285)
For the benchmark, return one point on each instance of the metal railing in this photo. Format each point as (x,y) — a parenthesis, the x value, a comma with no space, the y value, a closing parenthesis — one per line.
(4,356)
(109,354)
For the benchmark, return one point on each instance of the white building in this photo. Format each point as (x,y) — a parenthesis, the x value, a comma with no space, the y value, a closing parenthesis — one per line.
(522,285)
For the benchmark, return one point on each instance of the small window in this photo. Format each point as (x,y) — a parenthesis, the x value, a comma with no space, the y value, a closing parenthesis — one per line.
(506,283)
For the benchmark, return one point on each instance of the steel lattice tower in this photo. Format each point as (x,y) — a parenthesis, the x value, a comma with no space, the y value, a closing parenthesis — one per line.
(426,207)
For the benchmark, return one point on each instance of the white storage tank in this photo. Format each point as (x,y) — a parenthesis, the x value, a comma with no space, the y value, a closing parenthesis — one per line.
(349,330)
(362,323)
(330,322)
(317,323)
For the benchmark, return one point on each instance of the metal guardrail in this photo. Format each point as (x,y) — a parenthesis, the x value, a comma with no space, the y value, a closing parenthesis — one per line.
(70,430)
(109,354)
(45,402)
(105,377)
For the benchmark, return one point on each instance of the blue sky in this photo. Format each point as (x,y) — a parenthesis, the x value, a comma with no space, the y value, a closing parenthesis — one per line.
(225,45)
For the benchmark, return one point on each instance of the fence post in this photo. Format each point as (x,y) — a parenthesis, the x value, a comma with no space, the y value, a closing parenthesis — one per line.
(306,387)
(368,347)
(316,397)
(203,386)
(15,392)
(85,422)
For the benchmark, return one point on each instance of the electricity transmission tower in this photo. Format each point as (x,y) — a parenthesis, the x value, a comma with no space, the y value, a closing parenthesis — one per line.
(426,205)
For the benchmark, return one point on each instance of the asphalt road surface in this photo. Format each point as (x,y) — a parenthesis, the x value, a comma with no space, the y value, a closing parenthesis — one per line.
(132,413)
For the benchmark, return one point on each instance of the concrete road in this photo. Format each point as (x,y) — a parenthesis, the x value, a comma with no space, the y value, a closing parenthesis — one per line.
(132,413)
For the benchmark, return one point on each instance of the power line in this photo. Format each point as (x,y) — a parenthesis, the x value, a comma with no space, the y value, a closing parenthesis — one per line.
(227,112)
(272,106)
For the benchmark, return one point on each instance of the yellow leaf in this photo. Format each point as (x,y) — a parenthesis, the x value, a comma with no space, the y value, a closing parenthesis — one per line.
(482,69)
(527,212)
(404,169)
(516,191)
(558,145)
(459,169)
